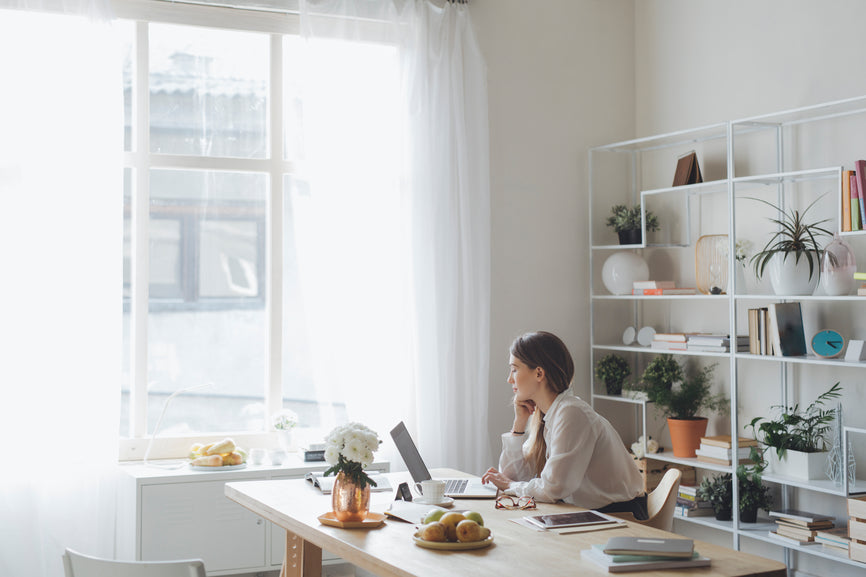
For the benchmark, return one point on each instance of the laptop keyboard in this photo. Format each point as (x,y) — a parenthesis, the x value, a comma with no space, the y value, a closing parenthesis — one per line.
(453,486)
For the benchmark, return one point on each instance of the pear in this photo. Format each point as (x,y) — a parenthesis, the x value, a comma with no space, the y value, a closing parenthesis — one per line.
(469,530)
(434,531)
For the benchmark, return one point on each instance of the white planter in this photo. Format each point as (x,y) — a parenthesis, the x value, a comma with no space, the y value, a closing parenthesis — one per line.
(790,277)
(797,464)
(285,438)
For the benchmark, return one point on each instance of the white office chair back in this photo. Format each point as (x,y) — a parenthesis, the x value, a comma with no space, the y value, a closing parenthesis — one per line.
(78,565)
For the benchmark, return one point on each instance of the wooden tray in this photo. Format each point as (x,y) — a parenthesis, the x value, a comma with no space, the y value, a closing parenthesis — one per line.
(373,520)
(451,546)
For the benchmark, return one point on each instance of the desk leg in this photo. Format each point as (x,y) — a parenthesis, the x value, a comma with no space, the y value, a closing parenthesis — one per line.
(302,559)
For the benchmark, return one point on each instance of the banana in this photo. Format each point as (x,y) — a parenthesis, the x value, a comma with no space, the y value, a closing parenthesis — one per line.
(224,446)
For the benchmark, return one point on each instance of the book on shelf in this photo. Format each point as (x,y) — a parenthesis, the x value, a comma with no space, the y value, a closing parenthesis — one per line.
(716,349)
(786,329)
(722,452)
(759,332)
(688,170)
(789,540)
(656,547)
(726,441)
(800,517)
(846,200)
(856,223)
(663,291)
(716,461)
(861,290)
(796,531)
(672,337)
(653,284)
(717,340)
(860,180)
(683,511)
(688,489)
(692,503)
(836,537)
(621,564)
(669,345)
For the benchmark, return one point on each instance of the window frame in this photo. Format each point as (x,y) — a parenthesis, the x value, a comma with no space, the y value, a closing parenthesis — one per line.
(140,161)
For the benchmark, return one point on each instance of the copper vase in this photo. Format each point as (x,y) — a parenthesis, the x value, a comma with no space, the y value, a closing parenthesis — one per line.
(349,501)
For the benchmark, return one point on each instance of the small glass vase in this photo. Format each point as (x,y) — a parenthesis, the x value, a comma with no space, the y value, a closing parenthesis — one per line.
(349,501)
(838,266)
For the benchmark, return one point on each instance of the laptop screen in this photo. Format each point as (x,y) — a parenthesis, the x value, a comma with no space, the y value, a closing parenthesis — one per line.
(410,453)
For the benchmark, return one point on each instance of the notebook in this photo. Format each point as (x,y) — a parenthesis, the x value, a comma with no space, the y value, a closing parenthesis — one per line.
(466,488)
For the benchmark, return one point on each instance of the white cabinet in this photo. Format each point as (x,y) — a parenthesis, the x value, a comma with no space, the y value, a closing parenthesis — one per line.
(788,158)
(177,513)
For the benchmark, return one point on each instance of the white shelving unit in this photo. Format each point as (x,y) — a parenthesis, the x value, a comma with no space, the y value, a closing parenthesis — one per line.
(787,158)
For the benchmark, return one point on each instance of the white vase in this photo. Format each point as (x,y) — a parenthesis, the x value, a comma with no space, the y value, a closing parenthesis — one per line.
(285,439)
(797,464)
(621,270)
(838,266)
(790,277)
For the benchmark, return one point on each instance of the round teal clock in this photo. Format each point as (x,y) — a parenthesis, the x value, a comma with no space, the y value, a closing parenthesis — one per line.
(828,343)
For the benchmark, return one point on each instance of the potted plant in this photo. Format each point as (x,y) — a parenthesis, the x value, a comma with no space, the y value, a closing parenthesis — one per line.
(719,493)
(752,493)
(798,437)
(682,404)
(792,253)
(627,223)
(612,370)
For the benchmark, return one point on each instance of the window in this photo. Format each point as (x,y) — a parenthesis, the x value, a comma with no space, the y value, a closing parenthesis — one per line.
(238,278)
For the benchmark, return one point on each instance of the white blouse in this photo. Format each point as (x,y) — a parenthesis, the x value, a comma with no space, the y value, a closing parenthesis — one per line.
(587,463)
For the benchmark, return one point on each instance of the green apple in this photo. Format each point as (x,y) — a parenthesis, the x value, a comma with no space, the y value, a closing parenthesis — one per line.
(474,516)
(433,515)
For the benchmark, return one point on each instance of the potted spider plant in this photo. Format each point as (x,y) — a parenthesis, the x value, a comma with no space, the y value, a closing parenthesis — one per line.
(681,404)
(798,437)
(626,223)
(792,254)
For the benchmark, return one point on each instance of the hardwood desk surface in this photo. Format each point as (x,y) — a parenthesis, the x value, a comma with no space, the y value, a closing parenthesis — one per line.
(516,550)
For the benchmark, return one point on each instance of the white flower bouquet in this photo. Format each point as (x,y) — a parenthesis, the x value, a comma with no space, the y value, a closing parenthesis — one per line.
(349,449)
(285,420)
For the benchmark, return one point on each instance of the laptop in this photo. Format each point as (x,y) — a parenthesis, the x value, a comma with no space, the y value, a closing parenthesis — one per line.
(465,488)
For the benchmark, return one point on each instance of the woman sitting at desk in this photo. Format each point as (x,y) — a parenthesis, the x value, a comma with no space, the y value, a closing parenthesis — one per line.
(572,453)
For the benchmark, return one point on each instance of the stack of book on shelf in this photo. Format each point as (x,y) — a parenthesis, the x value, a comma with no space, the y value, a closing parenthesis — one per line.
(835,539)
(853,196)
(718,450)
(795,527)
(627,554)
(857,528)
(760,342)
(716,343)
(670,341)
(659,287)
(689,505)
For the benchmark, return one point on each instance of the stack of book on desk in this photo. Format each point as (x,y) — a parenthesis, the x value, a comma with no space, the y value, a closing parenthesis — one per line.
(627,554)
(689,505)
(795,527)
(719,450)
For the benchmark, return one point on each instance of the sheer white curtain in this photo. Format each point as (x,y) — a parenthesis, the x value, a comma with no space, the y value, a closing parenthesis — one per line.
(60,241)
(406,163)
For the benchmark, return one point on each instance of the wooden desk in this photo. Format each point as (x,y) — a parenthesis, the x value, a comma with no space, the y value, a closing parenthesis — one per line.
(389,550)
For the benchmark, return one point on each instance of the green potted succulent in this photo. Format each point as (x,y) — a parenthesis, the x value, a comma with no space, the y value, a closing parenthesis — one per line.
(798,437)
(626,222)
(681,404)
(612,370)
(792,253)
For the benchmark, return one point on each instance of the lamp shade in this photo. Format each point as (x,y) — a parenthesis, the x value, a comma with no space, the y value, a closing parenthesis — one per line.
(621,270)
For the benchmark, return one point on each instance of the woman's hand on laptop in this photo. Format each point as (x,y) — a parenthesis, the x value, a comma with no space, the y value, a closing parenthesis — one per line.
(498,479)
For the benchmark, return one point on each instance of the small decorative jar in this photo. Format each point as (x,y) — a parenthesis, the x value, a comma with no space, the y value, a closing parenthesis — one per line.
(838,266)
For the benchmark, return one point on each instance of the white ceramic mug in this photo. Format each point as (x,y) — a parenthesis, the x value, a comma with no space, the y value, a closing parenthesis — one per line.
(257,456)
(432,491)
(276,456)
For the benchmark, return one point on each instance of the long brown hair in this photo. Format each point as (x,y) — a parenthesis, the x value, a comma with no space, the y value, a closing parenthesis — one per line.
(545,350)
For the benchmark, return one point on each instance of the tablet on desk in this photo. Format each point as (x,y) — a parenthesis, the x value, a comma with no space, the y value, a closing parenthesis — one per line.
(574,519)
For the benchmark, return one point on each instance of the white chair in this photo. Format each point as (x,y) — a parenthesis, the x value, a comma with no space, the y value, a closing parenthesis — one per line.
(78,565)
(660,503)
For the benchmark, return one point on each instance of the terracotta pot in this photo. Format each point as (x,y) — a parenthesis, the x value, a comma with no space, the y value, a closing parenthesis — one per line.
(686,435)
(349,501)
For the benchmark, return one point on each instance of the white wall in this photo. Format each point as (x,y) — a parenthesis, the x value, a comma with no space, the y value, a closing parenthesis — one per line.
(699,62)
(560,79)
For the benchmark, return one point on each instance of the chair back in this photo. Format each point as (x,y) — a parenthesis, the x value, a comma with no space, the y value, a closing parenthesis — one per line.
(78,565)
(662,501)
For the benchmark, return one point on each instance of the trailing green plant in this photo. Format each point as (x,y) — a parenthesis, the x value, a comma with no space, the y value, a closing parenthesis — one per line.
(795,429)
(612,370)
(753,495)
(794,235)
(624,219)
(693,394)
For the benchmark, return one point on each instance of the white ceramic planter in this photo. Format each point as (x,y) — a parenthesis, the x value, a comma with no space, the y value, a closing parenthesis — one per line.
(789,277)
(797,464)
